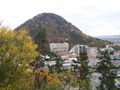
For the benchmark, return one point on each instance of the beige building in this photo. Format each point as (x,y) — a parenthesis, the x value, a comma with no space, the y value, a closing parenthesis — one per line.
(59,48)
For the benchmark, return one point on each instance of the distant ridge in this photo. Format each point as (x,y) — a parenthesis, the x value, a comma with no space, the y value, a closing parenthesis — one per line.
(57,29)
(110,37)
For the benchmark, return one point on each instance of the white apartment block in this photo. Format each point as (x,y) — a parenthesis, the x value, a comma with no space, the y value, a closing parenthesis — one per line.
(78,48)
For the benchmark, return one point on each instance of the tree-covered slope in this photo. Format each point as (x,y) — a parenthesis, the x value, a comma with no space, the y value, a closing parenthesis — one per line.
(57,29)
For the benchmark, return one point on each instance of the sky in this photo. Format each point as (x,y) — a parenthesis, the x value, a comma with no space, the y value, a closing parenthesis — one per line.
(93,17)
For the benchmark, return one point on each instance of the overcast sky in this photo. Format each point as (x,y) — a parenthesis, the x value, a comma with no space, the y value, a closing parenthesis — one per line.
(93,17)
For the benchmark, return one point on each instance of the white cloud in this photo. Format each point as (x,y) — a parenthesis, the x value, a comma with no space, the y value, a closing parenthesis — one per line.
(94,17)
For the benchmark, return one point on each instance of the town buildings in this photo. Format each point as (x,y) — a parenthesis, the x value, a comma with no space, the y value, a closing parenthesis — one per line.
(71,55)
(62,50)
(68,55)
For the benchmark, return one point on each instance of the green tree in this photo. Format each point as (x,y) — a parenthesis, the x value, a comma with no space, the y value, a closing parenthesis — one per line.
(41,40)
(84,70)
(104,67)
(38,65)
(58,65)
(16,51)
(81,65)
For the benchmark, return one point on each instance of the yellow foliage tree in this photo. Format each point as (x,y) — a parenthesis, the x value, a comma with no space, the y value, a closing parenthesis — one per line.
(16,51)
(47,81)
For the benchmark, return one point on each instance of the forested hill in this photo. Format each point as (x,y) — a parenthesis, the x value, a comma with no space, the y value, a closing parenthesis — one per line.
(57,29)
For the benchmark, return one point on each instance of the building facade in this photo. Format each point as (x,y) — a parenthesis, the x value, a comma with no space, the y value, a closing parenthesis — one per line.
(78,48)
(59,48)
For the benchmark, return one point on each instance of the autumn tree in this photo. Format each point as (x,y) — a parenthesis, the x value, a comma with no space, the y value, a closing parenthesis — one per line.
(16,51)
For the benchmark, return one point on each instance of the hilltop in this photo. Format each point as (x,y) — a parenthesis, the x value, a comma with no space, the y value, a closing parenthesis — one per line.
(57,29)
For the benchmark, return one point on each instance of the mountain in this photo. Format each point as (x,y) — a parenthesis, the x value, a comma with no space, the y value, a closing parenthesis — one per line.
(57,29)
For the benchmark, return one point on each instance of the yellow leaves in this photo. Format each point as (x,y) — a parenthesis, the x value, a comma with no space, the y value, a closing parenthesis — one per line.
(13,49)
(16,50)
(29,70)
(44,72)
(6,34)
(52,78)
(17,43)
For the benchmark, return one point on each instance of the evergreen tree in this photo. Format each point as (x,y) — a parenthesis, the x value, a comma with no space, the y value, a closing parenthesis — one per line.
(84,69)
(41,40)
(104,68)
(81,65)
(58,66)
